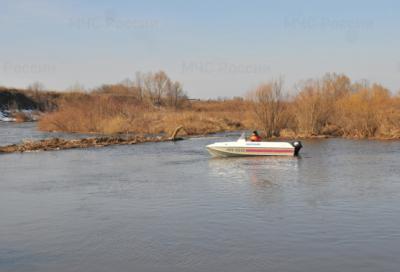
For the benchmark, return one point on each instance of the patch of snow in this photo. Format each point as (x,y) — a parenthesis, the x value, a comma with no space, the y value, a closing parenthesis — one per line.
(5,117)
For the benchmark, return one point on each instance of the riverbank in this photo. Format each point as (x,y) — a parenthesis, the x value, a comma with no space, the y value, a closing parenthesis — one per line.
(62,144)
(54,144)
(331,106)
(19,116)
(26,105)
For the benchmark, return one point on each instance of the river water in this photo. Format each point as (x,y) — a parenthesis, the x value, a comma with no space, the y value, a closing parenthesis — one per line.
(171,207)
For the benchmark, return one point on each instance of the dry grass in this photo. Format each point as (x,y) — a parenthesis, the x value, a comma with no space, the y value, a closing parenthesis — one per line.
(331,106)
(119,114)
(21,117)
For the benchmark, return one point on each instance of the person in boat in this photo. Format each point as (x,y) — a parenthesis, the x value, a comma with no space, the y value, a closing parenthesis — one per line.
(255,137)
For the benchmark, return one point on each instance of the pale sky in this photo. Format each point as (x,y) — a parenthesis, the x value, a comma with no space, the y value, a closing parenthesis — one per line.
(215,48)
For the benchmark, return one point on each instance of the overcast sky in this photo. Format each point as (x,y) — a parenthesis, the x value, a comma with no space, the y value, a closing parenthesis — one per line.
(215,48)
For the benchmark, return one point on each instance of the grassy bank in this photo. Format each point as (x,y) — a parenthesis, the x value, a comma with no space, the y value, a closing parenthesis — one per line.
(331,106)
(111,114)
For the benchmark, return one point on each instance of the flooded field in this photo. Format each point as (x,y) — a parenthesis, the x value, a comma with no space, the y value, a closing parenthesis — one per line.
(171,207)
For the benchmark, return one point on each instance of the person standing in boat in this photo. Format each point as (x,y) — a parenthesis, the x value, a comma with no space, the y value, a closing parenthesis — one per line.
(255,137)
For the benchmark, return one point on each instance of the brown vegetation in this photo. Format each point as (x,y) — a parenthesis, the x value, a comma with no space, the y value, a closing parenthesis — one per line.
(152,104)
(60,144)
(111,114)
(350,110)
(21,117)
(270,108)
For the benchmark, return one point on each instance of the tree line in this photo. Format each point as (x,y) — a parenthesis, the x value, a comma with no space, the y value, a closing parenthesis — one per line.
(153,88)
(332,105)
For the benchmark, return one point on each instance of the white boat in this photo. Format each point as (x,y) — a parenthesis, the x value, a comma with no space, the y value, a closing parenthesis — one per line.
(245,148)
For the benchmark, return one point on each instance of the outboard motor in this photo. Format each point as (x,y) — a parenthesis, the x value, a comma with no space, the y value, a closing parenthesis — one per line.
(297,146)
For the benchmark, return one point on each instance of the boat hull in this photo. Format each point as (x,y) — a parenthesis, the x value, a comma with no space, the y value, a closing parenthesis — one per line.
(234,151)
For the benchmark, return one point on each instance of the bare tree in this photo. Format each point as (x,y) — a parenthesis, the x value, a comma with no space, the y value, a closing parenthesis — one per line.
(36,88)
(139,85)
(268,106)
(76,88)
(310,114)
(175,95)
(161,82)
(315,104)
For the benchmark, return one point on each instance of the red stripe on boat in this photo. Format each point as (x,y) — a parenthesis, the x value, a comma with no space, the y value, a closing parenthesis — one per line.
(269,150)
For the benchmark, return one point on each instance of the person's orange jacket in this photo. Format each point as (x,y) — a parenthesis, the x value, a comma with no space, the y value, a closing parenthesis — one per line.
(255,138)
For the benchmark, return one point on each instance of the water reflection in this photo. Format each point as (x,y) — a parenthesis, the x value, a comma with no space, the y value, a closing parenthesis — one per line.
(255,169)
(259,171)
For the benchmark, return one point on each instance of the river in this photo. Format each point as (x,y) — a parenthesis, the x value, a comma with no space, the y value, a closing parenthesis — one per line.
(171,207)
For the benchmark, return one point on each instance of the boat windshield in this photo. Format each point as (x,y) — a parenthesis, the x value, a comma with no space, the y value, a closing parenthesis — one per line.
(242,137)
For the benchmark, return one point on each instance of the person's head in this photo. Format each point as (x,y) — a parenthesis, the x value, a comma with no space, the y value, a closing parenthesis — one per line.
(255,132)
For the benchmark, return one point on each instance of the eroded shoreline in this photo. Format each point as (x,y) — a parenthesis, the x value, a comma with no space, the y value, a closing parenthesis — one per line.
(62,144)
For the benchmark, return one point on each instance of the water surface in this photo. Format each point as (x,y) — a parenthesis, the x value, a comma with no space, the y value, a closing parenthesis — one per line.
(170,207)
(14,133)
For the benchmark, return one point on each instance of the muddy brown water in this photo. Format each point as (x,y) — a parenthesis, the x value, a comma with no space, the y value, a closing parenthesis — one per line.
(171,207)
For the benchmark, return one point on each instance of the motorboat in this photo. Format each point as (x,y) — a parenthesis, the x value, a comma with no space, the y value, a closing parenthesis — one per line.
(242,147)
